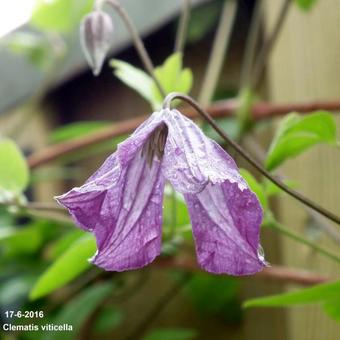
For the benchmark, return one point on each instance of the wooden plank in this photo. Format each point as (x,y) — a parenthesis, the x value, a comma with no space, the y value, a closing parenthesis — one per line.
(305,65)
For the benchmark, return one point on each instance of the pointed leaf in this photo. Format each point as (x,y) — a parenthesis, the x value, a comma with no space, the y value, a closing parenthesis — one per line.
(296,134)
(67,267)
(318,293)
(134,78)
(14,174)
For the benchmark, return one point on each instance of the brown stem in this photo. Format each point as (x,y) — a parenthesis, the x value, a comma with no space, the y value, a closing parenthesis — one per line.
(168,296)
(268,45)
(275,273)
(248,158)
(225,108)
(183,26)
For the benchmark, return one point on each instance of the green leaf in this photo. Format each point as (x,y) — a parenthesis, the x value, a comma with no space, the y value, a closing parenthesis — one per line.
(134,78)
(306,4)
(297,133)
(318,293)
(109,318)
(170,75)
(14,174)
(171,334)
(332,308)
(60,16)
(255,186)
(15,242)
(61,245)
(75,130)
(67,267)
(79,309)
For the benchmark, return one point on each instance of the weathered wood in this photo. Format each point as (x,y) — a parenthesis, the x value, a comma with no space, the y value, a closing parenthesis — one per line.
(305,66)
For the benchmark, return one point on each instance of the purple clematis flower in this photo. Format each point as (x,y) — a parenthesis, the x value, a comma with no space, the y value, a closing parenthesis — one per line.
(121,204)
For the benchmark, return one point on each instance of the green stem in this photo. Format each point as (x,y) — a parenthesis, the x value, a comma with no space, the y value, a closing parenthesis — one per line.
(298,238)
(138,42)
(248,158)
(218,52)
(183,26)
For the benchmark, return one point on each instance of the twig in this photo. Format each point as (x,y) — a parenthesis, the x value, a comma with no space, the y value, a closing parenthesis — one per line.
(139,45)
(216,58)
(276,273)
(252,39)
(159,307)
(254,147)
(43,206)
(296,237)
(267,47)
(225,108)
(248,158)
(183,26)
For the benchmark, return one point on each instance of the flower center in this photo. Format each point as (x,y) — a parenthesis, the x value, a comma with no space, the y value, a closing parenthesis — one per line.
(155,144)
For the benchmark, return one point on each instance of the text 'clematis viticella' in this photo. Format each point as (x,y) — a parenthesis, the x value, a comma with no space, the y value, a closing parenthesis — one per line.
(121,204)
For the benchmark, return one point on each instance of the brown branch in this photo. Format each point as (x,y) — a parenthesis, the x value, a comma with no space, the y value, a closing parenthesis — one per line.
(274,273)
(225,108)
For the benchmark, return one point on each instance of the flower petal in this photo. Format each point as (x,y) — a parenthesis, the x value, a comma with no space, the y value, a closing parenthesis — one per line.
(192,160)
(122,204)
(226,222)
(134,235)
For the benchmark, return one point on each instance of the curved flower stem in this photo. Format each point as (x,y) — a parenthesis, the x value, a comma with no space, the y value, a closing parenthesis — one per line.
(139,45)
(248,158)
(183,26)
(296,237)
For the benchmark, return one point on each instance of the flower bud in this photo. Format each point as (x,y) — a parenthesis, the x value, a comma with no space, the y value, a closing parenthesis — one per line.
(96,32)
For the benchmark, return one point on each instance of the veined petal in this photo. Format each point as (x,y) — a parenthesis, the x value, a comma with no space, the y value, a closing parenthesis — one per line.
(226,223)
(122,204)
(134,236)
(192,160)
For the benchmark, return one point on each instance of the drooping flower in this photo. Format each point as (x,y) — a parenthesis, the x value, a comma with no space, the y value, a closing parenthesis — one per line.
(121,204)
(96,32)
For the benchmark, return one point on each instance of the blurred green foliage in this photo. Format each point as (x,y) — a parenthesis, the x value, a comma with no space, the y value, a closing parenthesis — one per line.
(306,4)
(298,133)
(68,266)
(14,173)
(60,15)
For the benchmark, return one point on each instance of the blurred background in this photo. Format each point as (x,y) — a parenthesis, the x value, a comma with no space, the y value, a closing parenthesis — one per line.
(49,97)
